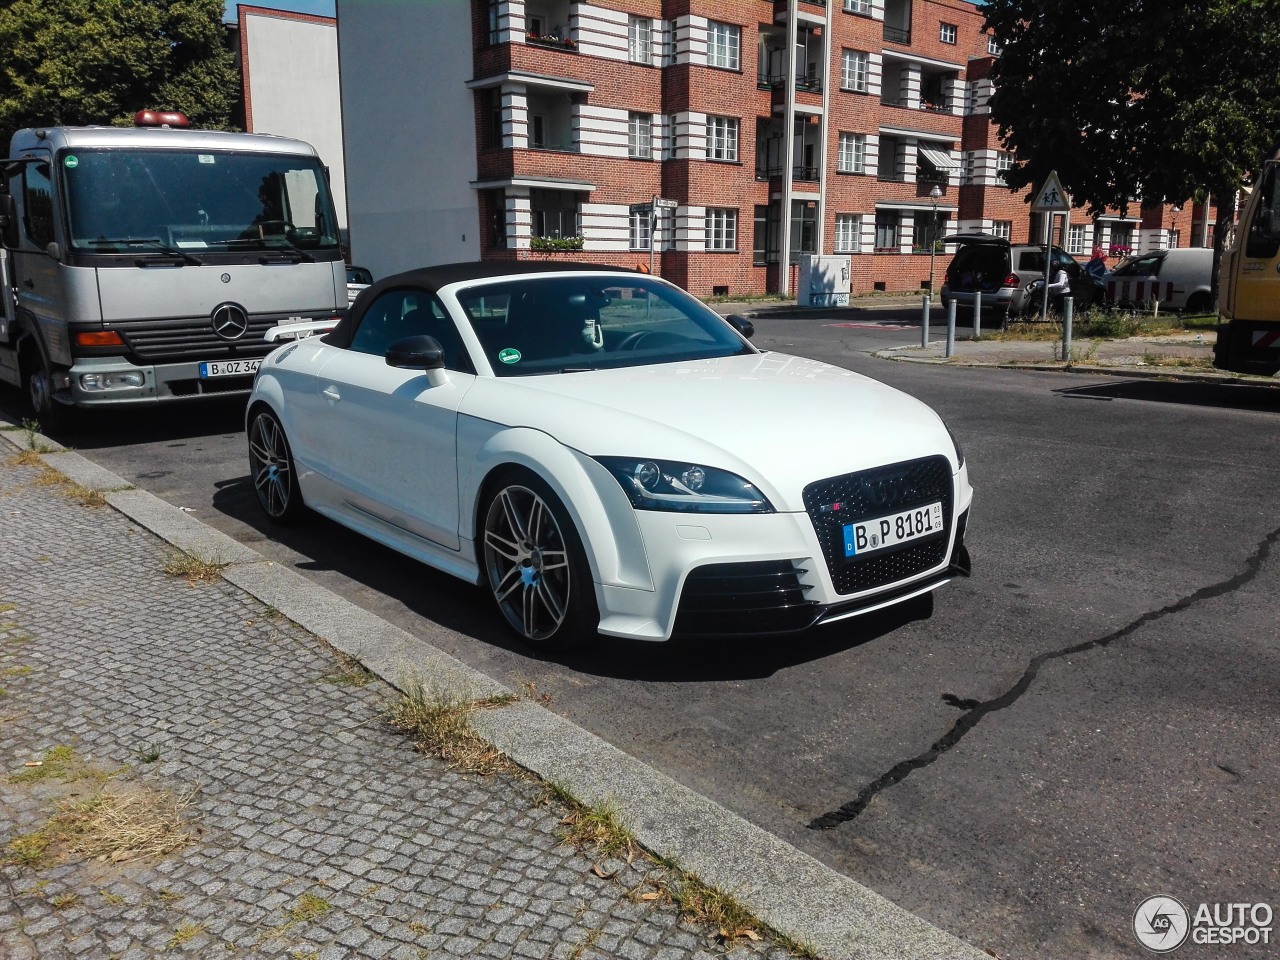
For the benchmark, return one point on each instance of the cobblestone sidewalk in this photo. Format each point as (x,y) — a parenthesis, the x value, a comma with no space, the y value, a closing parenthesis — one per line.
(315,830)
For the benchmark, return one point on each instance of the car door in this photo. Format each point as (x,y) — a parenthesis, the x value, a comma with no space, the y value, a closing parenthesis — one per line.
(390,433)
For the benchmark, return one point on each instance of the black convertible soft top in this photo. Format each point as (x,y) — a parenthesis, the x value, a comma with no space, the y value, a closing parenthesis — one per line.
(431,279)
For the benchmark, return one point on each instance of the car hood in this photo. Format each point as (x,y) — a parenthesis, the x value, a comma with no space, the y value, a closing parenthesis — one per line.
(777,420)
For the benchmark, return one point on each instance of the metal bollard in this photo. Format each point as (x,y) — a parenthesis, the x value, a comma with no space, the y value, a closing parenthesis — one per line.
(924,320)
(977,314)
(951,328)
(1068,310)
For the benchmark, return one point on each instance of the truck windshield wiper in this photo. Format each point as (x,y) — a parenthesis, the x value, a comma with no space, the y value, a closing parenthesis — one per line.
(158,246)
(283,246)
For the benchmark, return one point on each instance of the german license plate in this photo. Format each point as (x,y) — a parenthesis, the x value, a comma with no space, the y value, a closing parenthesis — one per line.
(229,368)
(868,536)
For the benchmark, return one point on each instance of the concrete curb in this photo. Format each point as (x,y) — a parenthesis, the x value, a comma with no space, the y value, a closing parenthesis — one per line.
(790,891)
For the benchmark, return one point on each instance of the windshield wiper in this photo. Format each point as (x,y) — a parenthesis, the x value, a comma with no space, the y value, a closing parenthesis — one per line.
(160,248)
(280,245)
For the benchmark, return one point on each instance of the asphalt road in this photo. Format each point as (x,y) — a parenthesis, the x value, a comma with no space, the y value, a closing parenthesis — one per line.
(1090,720)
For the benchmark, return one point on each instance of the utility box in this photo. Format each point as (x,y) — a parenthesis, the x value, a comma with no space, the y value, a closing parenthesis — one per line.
(823,281)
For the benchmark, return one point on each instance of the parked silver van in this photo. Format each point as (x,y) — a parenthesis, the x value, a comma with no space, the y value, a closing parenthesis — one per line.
(1179,279)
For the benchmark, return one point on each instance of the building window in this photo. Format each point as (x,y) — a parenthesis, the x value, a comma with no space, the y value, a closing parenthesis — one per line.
(723,43)
(926,228)
(722,138)
(1075,238)
(722,229)
(804,228)
(858,6)
(1002,228)
(848,233)
(1004,161)
(640,40)
(947,32)
(669,42)
(555,213)
(993,46)
(640,136)
(640,232)
(888,223)
(853,71)
(760,237)
(497,204)
(493,21)
(852,156)
(1175,238)
(1121,240)
(491,109)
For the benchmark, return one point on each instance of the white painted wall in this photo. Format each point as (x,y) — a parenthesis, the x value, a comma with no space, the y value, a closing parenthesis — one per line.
(291,78)
(410,133)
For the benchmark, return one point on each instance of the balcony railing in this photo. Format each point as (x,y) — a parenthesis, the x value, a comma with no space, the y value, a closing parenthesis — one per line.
(892,176)
(911,103)
(897,34)
(800,172)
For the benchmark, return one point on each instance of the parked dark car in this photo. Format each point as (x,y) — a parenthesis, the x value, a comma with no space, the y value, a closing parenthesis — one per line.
(1008,276)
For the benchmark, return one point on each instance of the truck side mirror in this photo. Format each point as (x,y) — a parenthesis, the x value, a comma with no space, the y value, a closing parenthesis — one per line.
(8,221)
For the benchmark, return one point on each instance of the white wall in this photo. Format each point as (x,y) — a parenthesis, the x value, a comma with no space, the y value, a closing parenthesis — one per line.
(291,83)
(409,132)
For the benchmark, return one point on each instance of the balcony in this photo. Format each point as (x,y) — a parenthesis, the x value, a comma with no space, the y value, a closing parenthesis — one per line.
(557,43)
(898,35)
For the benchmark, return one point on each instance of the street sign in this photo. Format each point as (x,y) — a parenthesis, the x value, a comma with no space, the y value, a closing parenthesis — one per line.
(662,203)
(1051,198)
(640,208)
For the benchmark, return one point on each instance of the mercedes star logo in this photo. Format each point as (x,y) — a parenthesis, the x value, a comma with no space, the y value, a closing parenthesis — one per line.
(230,321)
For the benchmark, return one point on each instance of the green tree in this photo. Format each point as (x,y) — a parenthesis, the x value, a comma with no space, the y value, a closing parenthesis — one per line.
(1150,100)
(100,61)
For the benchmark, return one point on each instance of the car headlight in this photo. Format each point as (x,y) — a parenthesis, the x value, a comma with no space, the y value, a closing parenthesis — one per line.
(684,487)
(959,449)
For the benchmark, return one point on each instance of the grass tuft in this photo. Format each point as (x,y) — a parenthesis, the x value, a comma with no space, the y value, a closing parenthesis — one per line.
(699,903)
(599,828)
(185,934)
(439,722)
(350,673)
(194,569)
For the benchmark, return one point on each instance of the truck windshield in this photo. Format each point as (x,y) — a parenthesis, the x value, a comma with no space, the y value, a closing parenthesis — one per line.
(124,201)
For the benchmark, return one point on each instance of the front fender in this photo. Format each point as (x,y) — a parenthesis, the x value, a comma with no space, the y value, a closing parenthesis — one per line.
(604,518)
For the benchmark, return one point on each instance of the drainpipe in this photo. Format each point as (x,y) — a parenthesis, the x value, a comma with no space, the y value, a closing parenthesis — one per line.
(788,155)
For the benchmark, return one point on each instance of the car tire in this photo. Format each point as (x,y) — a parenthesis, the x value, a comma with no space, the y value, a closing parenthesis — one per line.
(37,387)
(1199,303)
(534,564)
(271,468)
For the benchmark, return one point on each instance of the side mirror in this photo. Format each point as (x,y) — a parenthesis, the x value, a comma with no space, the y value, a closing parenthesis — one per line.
(8,221)
(419,352)
(742,324)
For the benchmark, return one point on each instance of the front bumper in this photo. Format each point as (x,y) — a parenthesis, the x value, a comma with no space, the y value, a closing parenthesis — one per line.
(123,382)
(757,575)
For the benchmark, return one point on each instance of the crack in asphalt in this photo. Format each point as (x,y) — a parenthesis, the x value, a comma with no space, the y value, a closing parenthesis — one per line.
(976,710)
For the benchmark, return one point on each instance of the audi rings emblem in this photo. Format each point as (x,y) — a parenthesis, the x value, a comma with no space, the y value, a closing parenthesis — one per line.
(230,322)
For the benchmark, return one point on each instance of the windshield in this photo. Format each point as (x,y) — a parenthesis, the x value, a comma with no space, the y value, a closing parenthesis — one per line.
(553,324)
(127,201)
(1139,266)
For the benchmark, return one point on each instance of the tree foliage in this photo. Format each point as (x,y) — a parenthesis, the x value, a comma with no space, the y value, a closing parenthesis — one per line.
(1160,101)
(100,61)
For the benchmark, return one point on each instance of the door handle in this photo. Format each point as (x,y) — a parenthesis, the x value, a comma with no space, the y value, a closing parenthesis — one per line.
(332,393)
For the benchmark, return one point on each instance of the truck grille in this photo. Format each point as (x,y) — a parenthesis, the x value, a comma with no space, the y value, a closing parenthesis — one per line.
(744,598)
(877,493)
(192,338)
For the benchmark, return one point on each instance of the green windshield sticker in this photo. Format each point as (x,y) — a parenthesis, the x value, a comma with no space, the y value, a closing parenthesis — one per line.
(205,157)
(509,355)
(71,162)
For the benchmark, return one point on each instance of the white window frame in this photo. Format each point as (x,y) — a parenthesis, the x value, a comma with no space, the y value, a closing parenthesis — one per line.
(640,136)
(993,46)
(1002,228)
(1004,160)
(721,224)
(1075,238)
(722,139)
(639,231)
(640,40)
(851,155)
(848,233)
(858,6)
(855,69)
(724,45)
(948,33)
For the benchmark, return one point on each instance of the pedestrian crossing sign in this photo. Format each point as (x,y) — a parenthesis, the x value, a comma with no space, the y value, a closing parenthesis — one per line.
(1051,198)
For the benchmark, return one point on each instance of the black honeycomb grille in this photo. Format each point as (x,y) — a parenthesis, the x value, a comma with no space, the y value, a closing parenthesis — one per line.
(878,493)
(744,598)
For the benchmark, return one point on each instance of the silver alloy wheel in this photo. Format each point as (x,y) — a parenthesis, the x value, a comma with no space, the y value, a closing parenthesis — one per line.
(271,466)
(527,562)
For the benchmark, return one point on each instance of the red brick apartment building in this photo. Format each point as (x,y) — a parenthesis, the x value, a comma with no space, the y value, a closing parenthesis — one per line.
(773,128)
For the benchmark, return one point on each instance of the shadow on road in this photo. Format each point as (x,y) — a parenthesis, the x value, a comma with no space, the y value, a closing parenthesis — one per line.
(1235,396)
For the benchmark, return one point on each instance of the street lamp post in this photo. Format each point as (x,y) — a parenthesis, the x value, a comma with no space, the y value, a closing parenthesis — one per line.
(935,194)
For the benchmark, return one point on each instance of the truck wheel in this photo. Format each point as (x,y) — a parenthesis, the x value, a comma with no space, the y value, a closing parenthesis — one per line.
(37,384)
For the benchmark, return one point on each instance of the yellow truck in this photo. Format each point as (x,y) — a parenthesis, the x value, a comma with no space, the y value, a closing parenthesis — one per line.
(1249,284)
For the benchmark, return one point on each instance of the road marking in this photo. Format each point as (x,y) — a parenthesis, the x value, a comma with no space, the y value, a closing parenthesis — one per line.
(868,325)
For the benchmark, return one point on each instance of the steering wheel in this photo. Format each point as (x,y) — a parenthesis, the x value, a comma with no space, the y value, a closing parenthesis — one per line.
(632,340)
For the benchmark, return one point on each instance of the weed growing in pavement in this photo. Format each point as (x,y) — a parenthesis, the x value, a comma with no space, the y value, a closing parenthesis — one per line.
(1195,363)
(185,934)
(194,569)
(439,722)
(599,828)
(350,673)
(702,904)
(35,443)
(12,673)
(64,900)
(148,754)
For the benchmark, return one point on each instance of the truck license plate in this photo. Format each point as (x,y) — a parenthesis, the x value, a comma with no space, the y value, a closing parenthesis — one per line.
(229,368)
(868,536)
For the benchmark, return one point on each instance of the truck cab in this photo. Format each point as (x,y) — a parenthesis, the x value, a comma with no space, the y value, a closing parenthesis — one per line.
(1249,284)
